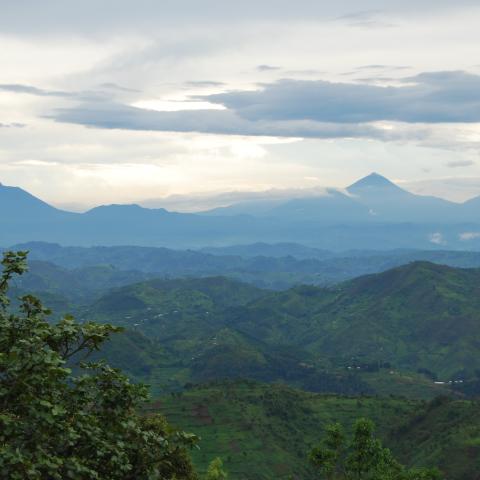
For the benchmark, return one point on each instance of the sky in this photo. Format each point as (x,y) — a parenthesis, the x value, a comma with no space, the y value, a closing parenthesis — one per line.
(189,104)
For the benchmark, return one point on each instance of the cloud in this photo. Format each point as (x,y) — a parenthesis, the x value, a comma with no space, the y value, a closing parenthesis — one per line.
(12,125)
(28,89)
(460,163)
(382,67)
(204,83)
(114,86)
(268,68)
(437,238)
(207,201)
(37,163)
(466,236)
(305,71)
(366,19)
(109,115)
(306,109)
(40,92)
(438,97)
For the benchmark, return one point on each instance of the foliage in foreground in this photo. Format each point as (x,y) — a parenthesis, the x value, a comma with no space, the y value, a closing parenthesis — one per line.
(56,425)
(215,470)
(363,457)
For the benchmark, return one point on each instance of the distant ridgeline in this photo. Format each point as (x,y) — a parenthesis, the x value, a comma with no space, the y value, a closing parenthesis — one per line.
(93,270)
(372,213)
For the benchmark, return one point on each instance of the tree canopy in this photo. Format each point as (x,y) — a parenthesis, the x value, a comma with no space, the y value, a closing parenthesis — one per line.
(362,457)
(64,418)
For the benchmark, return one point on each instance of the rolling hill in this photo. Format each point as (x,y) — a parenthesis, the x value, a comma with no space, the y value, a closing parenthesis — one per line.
(395,332)
(418,316)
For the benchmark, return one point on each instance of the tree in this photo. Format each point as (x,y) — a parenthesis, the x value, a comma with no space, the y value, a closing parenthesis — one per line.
(58,425)
(362,458)
(215,470)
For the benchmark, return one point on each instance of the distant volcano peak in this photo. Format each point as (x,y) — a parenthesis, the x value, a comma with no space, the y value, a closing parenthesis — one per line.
(372,182)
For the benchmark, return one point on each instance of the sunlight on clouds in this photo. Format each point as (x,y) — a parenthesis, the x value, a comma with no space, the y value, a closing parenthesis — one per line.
(37,163)
(248,150)
(176,105)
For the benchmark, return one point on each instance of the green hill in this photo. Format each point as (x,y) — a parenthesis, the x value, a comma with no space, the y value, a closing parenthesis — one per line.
(445,433)
(183,328)
(265,432)
(78,285)
(394,332)
(418,316)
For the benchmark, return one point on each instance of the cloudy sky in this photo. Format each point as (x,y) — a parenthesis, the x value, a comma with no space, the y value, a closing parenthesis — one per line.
(126,101)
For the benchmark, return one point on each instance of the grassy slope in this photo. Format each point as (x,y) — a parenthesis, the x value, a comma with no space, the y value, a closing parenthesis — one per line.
(265,432)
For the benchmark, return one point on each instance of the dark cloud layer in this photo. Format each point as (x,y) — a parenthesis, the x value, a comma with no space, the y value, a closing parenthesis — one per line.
(300,108)
(440,97)
(117,116)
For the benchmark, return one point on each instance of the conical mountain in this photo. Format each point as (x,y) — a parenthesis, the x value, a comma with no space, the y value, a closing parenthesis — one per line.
(388,202)
(375,183)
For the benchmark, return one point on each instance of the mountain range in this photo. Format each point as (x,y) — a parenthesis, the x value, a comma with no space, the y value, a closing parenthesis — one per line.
(280,266)
(373,213)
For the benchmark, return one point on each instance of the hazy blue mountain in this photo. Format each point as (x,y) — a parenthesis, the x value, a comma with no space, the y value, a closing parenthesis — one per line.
(328,208)
(372,198)
(334,207)
(472,207)
(388,202)
(275,250)
(19,205)
(373,214)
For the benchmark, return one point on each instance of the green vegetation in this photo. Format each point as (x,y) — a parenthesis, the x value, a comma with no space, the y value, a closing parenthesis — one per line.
(63,418)
(215,470)
(258,429)
(80,285)
(265,431)
(396,332)
(55,425)
(361,457)
(413,331)
(186,334)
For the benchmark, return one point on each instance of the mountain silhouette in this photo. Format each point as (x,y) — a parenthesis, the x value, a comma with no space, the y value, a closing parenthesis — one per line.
(372,213)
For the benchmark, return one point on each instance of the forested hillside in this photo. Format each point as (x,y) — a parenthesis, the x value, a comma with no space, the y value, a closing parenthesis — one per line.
(262,431)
